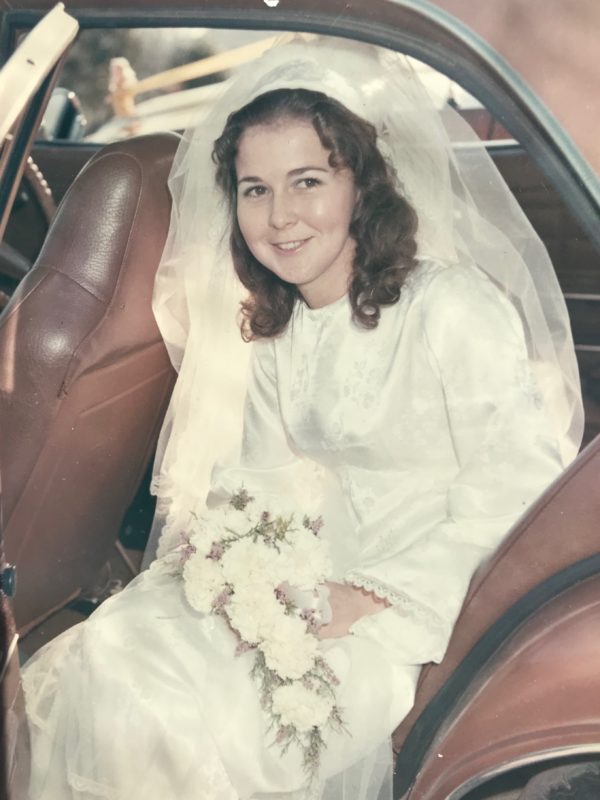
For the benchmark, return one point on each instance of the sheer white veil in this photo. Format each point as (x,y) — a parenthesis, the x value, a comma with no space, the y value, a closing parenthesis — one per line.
(466,215)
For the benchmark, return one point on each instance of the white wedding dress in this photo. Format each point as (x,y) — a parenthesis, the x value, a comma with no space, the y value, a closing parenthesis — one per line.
(421,441)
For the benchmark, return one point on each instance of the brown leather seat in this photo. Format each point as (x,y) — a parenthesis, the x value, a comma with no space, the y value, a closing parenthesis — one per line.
(560,529)
(84,375)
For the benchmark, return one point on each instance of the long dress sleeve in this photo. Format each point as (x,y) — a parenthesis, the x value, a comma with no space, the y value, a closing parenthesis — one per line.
(264,462)
(505,457)
(267,464)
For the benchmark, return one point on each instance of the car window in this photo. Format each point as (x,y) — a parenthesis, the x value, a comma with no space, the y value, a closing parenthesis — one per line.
(128,82)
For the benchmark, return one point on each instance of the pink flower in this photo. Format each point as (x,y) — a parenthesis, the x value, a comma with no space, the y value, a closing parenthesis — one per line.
(243,647)
(216,551)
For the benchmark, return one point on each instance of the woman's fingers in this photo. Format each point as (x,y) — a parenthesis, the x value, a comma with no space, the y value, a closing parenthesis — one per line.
(348,604)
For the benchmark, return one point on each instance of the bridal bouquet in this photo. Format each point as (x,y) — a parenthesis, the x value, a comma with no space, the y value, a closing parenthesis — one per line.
(261,571)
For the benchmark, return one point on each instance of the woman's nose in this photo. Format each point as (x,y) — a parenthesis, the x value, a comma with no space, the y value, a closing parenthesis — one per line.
(282,212)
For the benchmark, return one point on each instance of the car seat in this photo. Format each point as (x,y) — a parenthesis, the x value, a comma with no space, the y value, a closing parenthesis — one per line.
(84,375)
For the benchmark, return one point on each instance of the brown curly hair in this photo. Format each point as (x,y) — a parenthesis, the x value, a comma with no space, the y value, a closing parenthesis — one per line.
(383,224)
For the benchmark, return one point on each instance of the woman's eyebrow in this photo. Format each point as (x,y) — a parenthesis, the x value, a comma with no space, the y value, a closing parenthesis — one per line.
(291,173)
(300,170)
(250,179)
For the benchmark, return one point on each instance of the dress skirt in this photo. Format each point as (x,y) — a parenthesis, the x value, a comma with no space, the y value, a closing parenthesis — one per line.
(148,700)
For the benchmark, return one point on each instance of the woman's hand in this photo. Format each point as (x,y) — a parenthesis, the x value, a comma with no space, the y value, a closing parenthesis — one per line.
(348,603)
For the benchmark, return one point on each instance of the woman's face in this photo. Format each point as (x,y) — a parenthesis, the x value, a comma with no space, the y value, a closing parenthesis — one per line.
(294,209)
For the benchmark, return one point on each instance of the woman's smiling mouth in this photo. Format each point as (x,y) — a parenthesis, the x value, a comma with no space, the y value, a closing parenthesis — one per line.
(290,247)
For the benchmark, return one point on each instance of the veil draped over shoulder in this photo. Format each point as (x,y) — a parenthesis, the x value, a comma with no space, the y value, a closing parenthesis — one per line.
(467,215)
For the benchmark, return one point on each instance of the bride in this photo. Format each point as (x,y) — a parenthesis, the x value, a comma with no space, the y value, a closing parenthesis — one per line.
(410,378)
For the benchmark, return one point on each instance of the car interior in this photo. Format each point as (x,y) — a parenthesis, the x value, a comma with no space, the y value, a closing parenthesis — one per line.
(86,381)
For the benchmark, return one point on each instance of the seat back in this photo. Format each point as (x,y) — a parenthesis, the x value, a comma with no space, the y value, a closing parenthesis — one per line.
(561,528)
(84,375)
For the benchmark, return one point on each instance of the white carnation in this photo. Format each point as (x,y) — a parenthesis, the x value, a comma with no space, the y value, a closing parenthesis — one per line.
(203,582)
(204,533)
(288,649)
(202,541)
(307,558)
(216,524)
(249,562)
(253,611)
(300,707)
(231,520)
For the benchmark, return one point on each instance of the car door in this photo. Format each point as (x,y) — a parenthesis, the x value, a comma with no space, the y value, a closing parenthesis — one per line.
(26,73)
(29,72)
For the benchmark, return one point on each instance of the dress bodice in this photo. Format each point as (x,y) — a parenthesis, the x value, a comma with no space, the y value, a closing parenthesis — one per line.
(366,403)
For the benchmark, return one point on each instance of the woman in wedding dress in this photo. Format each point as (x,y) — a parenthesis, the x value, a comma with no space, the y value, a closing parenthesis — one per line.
(406,380)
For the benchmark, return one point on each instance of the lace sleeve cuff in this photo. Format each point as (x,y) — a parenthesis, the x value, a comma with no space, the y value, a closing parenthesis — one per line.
(402,605)
(407,626)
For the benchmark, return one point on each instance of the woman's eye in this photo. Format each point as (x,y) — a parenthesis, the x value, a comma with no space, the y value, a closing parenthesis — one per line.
(255,191)
(309,183)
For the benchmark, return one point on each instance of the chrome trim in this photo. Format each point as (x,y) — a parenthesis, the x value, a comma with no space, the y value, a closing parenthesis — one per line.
(9,654)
